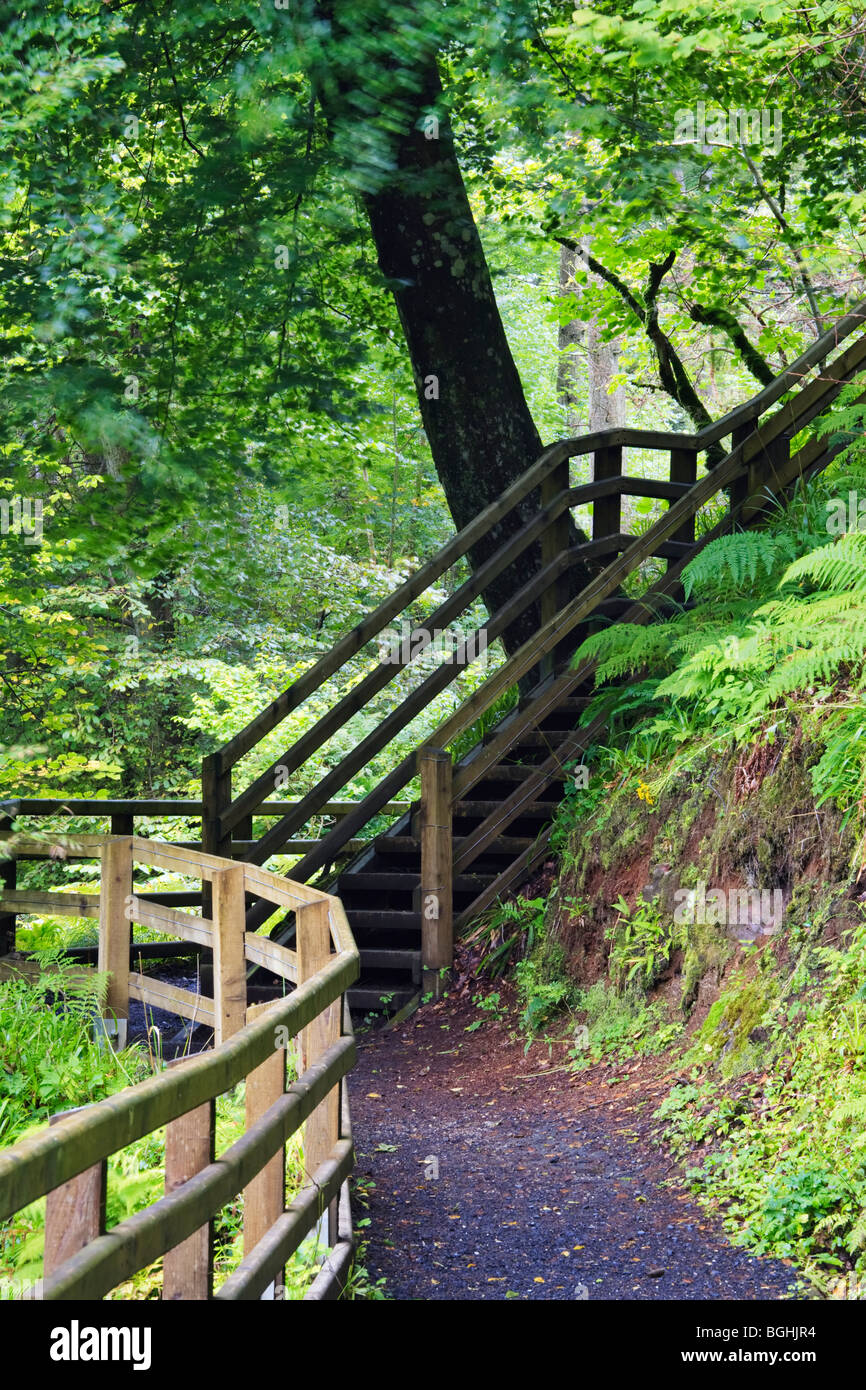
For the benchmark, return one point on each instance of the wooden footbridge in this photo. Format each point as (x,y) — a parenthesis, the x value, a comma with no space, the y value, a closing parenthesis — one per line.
(407,873)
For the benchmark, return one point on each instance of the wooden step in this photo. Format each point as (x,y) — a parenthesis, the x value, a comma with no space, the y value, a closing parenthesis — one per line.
(537,810)
(572,704)
(506,844)
(387,958)
(509,772)
(388,881)
(406,845)
(537,738)
(383,919)
(397,844)
(380,998)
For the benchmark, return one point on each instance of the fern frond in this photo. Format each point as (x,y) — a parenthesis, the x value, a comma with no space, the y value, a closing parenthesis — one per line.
(624,648)
(737,561)
(839,566)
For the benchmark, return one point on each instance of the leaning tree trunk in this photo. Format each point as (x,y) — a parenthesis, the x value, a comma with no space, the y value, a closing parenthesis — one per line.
(480,430)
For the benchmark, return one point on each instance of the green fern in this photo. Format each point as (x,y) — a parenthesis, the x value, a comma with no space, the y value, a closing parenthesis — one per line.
(837,567)
(737,562)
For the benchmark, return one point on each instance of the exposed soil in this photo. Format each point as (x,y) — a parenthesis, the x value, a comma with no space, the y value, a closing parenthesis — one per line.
(548,1184)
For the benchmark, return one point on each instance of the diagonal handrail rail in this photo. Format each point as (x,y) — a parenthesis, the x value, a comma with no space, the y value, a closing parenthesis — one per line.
(755,448)
(664,537)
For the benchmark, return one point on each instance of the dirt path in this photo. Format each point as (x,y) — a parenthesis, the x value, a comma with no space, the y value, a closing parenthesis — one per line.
(547,1187)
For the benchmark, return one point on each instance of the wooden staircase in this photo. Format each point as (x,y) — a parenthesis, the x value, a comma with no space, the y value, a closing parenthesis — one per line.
(483,827)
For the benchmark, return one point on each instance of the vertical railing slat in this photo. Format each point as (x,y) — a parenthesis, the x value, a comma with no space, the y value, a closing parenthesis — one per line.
(74,1212)
(189,1147)
(684,469)
(607,511)
(436,890)
(229,960)
(322,1129)
(115,929)
(265,1197)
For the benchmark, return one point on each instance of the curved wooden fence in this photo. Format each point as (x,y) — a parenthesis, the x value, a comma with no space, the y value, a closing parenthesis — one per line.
(66,1162)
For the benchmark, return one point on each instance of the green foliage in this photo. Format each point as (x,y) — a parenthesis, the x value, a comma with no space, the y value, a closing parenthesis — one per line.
(50,1058)
(619,1026)
(543,986)
(641,941)
(733,564)
(507,932)
(777,624)
(785,1157)
(840,773)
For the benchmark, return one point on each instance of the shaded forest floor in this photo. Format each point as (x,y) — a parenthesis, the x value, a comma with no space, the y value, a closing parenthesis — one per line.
(548,1185)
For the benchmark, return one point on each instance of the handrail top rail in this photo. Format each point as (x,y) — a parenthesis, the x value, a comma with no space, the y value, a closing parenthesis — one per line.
(141,806)
(163,853)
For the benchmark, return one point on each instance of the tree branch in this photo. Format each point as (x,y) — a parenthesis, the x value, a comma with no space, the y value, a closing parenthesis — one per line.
(722,319)
(184,132)
(805,278)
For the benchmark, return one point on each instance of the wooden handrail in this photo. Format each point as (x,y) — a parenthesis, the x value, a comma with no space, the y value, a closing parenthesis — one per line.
(228,813)
(82,1141)
(309,743)
(140,808)
(397,720)
(552,456)
(373,624)
(756,447)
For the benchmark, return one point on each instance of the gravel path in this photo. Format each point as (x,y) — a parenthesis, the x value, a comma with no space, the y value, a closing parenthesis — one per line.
(548,1186)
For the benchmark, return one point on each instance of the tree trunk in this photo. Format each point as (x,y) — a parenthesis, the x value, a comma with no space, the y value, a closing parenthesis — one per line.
(606,409)
(481,433)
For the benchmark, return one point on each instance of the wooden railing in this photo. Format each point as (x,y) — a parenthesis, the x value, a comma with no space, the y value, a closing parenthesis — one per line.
(757,463)
(67,1162)
(122,817)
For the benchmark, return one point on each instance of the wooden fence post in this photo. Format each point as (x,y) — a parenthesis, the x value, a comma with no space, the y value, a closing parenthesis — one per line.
(684,469)
(265,1197)
(322,1129)
(436,897)
(74,1212)
(554,542)
(216,795)
(229,960)
(187,1269)
(607,511)
(115,929)
(739,489)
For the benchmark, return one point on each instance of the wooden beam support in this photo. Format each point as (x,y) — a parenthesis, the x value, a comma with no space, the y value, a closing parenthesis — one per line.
(265,1197)
(189,1148)
(554,542)
(229,960)
(8,920)
(322,1129)
(607,511)
(75,1211)
(216,792)
(435,892)
(115,930)
(684,469)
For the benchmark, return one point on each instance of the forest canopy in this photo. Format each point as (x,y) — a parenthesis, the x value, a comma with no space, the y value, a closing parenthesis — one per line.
(293,280)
